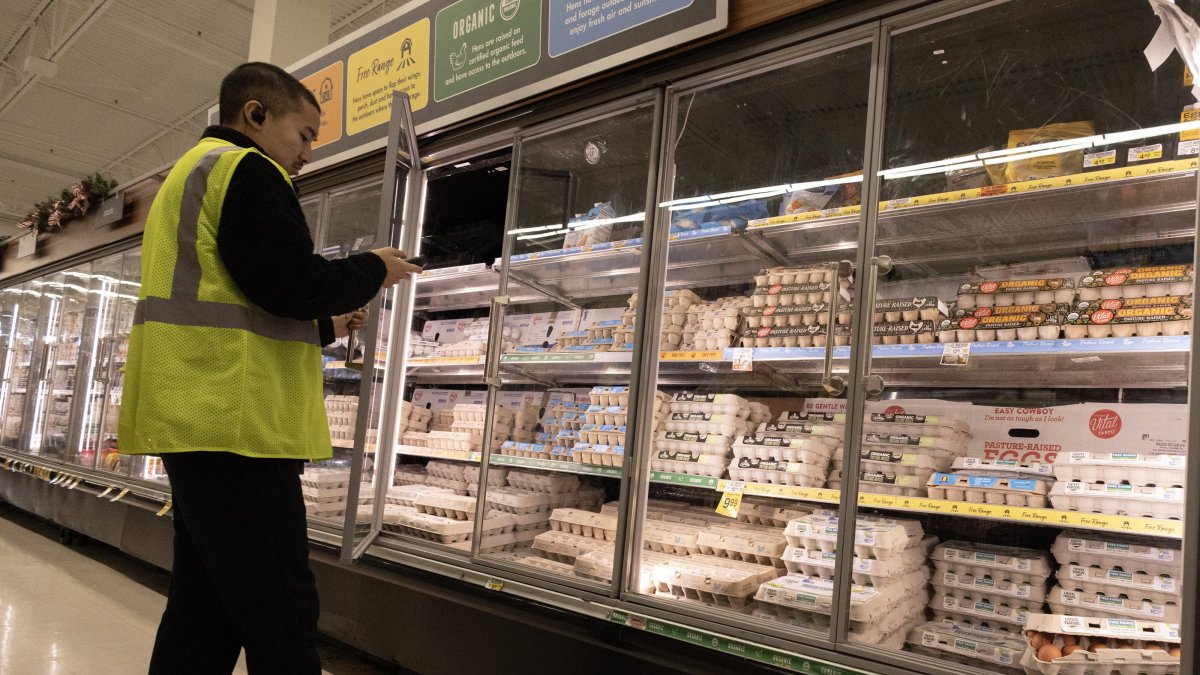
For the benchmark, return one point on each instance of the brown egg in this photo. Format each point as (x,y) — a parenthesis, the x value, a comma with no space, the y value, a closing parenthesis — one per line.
(1037,640)
(1071,649)
(1174,651)
(1069,640)
(1049,652)
(1030,633)
(1154,647)
(1098,646)
(1124,644)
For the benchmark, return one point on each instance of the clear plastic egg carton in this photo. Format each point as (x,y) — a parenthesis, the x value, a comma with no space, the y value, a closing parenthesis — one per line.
(410,474)
(994,584)
(809,450)
(1117,582)
(458,487)
(1106,551)
(866,571)
(1133,647)
(714,581)
(322,495)
(874,482)
(694,443)
(879,538)
(991,489)
(565,547)
(939,426)
(868,605)
(712,466)
(446,505)
(971,645)
(325,477)
(720,424)
(553,483)
(1137,282)
(673,538)
(1018,565)
(404,495)
(748,543)
(1118,467)
(1077,601)
(1118,499)
(1004,612)
(1006,293)
(446,530)
(584,523)
(526,558)
(774,472)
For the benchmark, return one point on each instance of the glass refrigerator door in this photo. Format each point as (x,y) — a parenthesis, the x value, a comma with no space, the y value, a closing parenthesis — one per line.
(21,330)
(1020,480)
(64,303)
(95,349)
(753,328)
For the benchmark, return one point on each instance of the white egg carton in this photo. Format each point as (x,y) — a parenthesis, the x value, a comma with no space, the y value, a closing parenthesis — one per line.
(749,543)
(706,423)
(880,482)
(323,495)
(998,611)
(553,483)
(585,523)
(989,489)
(882,538)
(598,566)
(994,584)
(725,404)
(405,494)
(413,439)
(1002,467)
(788,276)
(941,450)
(696,516)
(321,477)
(446,505)
(1078,601)
(496,475)
(918,425)
(695,443)
(866,571)
(805,314)
(892,310)
(1019,565)
(1137,282)
(1130,555)
(1118,499)
(458,487)
(809,450)
(1007,293)
(777,473)
(893,461)
(674,538)
(612,415)
(868,604)
(1117,467)
(477,413)
(532,523)
(446,530)
(564,500)
(773,513)
(524,558)
(410,474)
(1033,324)
(829,435)
(1134,660)
(715,581)
(609,396)
(687,463)
(975,643)
(1116,582)
(453,440)
(565,547)
(327,510)
(599,455)
(444,469)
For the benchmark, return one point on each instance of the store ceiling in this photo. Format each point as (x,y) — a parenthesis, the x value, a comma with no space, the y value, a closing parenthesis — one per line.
(120,87)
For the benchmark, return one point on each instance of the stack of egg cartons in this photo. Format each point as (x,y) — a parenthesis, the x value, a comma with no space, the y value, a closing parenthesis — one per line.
(889,588)
(325,490)
(410,474)
(975,645)
(448,518)
(1146,301)
(599,336)
(525,420)
(1130,484)
(790,307)
(601,437)
(902,450)
(908,320)
(414,418)
(698,433)
(795,450)
(987,585)
(342,412)
(674,316)
(450,475)
(1101,575)
(1007,310)
(713,325)
(469,421)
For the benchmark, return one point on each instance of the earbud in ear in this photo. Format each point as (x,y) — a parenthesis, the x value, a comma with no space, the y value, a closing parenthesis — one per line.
(259,115)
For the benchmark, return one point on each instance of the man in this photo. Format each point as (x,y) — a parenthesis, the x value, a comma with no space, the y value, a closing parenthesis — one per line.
(224,381)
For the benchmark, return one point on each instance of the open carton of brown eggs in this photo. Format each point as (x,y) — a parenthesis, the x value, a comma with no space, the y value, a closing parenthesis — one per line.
(1068,644)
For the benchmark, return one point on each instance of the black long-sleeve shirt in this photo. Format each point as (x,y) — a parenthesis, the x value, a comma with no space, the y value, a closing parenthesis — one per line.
(264,242)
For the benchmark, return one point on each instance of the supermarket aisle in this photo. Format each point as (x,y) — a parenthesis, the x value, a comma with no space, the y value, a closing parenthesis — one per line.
(86,609)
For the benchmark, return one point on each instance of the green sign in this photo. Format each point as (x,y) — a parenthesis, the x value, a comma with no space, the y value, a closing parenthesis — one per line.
(746,650)
(481,41)
(683,479)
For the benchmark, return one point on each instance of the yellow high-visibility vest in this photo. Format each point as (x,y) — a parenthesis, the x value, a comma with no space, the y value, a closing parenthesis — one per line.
(207,370)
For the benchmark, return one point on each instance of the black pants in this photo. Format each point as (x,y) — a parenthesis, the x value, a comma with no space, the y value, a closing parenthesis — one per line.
(241,577)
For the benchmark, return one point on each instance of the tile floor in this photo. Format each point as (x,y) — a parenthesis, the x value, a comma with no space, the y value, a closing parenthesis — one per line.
(87,609)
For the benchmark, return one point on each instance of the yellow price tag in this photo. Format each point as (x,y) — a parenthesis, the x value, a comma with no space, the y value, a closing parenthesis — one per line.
(1149,154)
(120,494)
(731,499)
(166,507)
(105,493)
(494,585)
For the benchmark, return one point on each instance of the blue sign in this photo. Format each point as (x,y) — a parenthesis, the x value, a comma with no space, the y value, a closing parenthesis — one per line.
(578,23)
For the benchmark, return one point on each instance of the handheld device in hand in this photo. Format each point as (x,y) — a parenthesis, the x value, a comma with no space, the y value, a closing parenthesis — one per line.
(419,261)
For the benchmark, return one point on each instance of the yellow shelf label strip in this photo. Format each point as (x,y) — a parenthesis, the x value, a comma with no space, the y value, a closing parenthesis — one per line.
(692,356)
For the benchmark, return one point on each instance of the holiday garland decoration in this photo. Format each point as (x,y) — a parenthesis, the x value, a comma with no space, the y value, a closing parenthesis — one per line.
(72,202)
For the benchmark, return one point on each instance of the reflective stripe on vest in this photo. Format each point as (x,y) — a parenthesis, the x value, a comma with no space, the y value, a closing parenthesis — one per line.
(184,307)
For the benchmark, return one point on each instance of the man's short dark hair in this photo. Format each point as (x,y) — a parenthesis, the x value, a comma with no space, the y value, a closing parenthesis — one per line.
(274,87)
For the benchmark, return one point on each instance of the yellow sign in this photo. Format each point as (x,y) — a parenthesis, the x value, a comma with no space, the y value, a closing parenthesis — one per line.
(691,356)
(1190,115)
(327,85)
(731,500)
(399,62)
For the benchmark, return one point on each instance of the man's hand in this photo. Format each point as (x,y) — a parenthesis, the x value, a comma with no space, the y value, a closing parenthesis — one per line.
(343,324)
(397,269)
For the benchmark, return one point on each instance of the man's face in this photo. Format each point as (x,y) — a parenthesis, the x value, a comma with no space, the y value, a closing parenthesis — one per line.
(288,138)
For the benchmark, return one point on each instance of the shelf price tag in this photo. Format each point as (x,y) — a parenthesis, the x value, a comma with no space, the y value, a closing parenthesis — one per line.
(120,494)
(166,507)
(743,360)
(956,354)
(105,493)
(731,499)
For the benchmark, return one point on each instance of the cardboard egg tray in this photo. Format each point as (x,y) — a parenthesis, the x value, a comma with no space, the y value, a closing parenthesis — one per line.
(410,474)
(829,435)
(809,450)
(806,314)
(872,539)
(998,649)
(329,510)
(694,443)
(565,547)
(1117,467)
(775,276)
(1116,582)
(1147,557)
(1137,282)
(461,349)
(496,475)
(524,557)
(612,415)
(322,495)
(687,463)
(673,538)
(516,501)
(868,605)
(954,430)
(903,333)
(714,581)
(458,487)
(946,578)
(320,477)
(1137,660)
(1009,292)
(762,545)
(585,523)
(772,513)
(453,440)
(1078,601)
(777,473)
(1136,317)
(989,489)
(405,494)
(1004,612)
(1003,467)
(867,571)
(1019,565)
(814,335)
(554,483)
(446,505)
(1118,499)
(590,498)
(446,530)
(893,310)
(450,470)
(706,423)
(414,439)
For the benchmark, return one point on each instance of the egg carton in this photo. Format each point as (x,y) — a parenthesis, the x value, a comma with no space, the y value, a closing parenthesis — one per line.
(1003,467)
(446,505)
(458,487)
(694,443)
(342,402)
(674,538)
(1117,467)
(777,473)
(724,320)
(866,571)
(496,475)
(1005,293)
(1063,600)
(445,469)
(939,426)
(1118,499)
(453,440)
(910,612)
(585,523)
(924,308)
(538,521)
(410,474)
(599,455)
(762,545)
(806,315)
(1031,325)
(327,510)
(800,336)
(996,584)
(889,462)
(321,477)
(780,295)
(706,423)
(989,489)
(445,530)
(868,604)
(787,276)
(725,404)
(712,466)
(525,558)
(405,494)
(602,435)
(940,639)
(477,412)
(1142,321)
(1146,557)
(414,439)
(1001,612)
(612,415)
(903,333)
(829,435)
(714,581)
(321,495)
(882,539)
(697,516)
(608,396)
(1116,582)
(809,450)
(554,483)
(1019,565)
(461,349)
(1134,656)
(591,497)
(565,547)
(880,482)
(564,500)
(810,621)
(1137,282)
(598,566)
(942,450)
(519,449)
(773,513)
